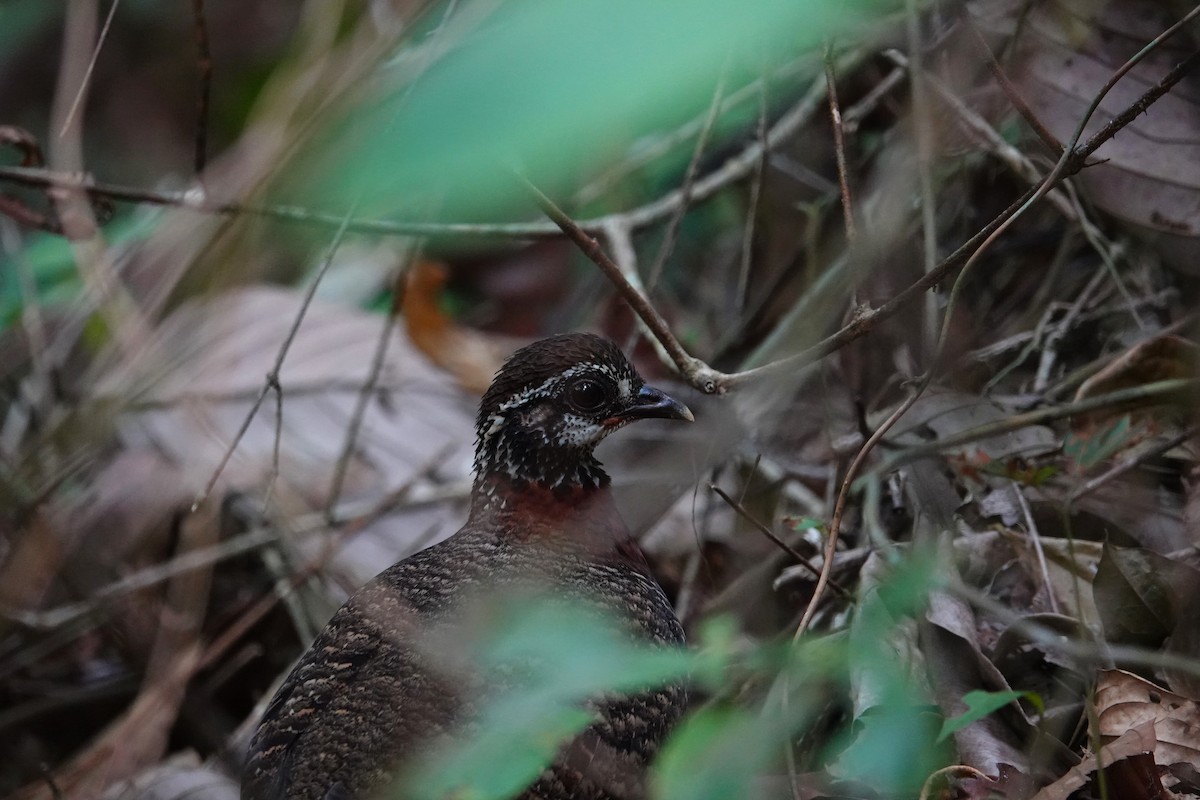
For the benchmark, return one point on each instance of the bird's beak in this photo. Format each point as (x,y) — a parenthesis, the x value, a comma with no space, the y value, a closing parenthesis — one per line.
(650,403)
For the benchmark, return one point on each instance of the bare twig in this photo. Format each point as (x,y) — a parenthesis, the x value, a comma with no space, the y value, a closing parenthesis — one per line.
(839,148)
(1087,653)
(871,100)
(1056,335)
(1077,376)
(756,182)
(1048,344)
(1071,160)
(1174,390)
(780,543)
(689,181)
(349,528)
(839,509)
(1035,537)
(205,63)
(981,129)
(1010,91)
(1108,253)
(689,367)
(684,133)
(1128,463)
(81,93)
(272,380)
(712,381)
(924,137)
(368,387)
(275,444)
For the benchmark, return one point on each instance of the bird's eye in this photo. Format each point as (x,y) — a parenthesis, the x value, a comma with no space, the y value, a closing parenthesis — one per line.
(586,395)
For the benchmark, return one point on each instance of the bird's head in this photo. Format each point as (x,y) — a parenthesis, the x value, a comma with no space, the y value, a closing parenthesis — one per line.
(552,402)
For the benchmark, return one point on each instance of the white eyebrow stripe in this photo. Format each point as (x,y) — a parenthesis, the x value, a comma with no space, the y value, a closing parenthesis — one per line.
(546,387)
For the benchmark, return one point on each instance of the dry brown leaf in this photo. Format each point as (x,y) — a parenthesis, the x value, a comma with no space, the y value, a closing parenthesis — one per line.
(955,666)
(193,384)
(1134,742)
(470,356)
(1156,359)
(1150,172)
(1125,702)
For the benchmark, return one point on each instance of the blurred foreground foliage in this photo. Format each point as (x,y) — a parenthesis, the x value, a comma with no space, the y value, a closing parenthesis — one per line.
(553,93)
(750,700)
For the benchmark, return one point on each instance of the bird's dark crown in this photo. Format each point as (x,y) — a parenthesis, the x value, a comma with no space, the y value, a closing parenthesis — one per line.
(548,407)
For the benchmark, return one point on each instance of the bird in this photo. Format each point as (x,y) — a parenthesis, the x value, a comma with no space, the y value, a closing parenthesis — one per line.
(362,702)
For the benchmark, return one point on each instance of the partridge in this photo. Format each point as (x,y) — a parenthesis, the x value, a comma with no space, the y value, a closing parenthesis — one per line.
(369,697)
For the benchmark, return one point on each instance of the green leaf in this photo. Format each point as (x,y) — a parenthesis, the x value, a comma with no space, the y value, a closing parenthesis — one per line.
(804,523)
(718,753)
(555,91)
(1089,450)
(979,705)
(894,749)
(547,657)
(517,739)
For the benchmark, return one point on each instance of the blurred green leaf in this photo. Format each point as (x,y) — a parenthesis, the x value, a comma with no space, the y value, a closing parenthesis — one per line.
(718,753)
(552,90)
(50,263)
(894,748)
(556,656)
(1091,449)
(20,19)
(980,704)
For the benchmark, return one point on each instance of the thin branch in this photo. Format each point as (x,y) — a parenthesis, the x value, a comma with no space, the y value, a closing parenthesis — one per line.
(272,380)
(689,180)
(275,444)
(51,618)
(871,100)
(1011,92)
(1053,640)
(756,183)
(977,125)
(1070,161)
(368,388)
(839,149)
(91,66)
(1035,536)
(1057,173)
(667,143)
(625,257)
(780,543)
(351,527)
(1173,390)
(1126,464)
(1024,339)
(712,381)
(689,367)
(923,135)
(839,509)
(205,63)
